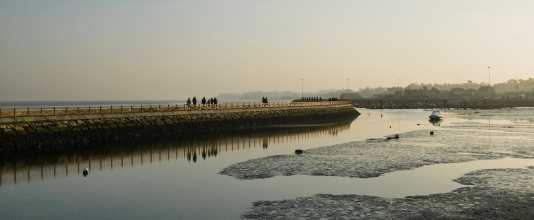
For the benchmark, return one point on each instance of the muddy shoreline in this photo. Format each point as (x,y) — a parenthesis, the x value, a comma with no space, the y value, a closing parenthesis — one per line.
(487,194)
(365,159)
(493,194)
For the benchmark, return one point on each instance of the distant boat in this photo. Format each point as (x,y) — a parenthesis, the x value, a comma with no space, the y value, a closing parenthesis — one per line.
(435,116)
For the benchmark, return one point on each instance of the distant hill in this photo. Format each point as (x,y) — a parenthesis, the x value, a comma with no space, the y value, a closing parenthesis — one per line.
(510,88)
(513,93)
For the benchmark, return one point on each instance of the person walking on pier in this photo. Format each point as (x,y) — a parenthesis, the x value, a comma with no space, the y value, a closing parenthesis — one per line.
(203,100)
(194,101)
(264,100)
(188,102)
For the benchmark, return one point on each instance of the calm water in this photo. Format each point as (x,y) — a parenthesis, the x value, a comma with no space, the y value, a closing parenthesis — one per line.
(180,180)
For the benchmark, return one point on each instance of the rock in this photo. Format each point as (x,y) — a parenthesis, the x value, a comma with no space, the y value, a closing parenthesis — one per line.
(85,172)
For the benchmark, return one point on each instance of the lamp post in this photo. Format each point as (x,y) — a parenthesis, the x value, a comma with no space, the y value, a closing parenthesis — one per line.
(301,88)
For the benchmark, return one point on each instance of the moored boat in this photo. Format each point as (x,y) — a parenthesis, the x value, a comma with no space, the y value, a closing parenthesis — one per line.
(435,115)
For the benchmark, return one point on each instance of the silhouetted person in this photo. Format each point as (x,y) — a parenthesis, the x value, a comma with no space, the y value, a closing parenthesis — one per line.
(215,101)
(265,143)
(203,100)
(188,102)
(194,101)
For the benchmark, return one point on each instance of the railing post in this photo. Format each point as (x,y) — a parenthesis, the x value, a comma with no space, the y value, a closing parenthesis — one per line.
(14,114)
(54,111)
(111,109)
(89,109)
(122,109)
(100,109)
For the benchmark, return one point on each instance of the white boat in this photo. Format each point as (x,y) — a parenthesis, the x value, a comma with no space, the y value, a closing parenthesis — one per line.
(435,115)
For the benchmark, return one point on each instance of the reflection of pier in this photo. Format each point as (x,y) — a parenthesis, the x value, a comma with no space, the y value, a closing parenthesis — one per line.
(23,170)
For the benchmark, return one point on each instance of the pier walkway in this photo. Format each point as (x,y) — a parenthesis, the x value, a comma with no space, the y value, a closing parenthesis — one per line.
(16,115)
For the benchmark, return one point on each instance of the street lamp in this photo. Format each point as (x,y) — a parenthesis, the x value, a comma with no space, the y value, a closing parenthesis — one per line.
(301,88)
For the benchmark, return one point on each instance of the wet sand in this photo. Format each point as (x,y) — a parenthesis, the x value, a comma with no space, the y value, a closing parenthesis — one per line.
(487,194)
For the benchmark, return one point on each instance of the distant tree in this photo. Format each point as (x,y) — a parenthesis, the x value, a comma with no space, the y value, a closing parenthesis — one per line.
(486,91)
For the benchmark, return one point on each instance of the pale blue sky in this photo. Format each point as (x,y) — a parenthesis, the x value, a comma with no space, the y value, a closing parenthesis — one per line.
(132,49)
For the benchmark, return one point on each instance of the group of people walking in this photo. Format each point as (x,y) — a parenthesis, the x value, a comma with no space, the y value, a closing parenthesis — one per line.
(312,99)
(264,100)
(203,101)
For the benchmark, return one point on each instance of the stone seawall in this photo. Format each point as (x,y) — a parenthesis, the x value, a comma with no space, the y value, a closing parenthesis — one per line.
(52,135)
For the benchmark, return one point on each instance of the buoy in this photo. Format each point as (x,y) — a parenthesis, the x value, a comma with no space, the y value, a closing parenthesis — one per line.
(299,151)
(85,172)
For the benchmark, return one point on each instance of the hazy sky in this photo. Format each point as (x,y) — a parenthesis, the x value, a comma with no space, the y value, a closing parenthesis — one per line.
(132,49)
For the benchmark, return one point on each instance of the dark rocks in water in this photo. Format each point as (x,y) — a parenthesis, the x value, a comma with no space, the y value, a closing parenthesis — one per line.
(85,172)
(396,136)
(299,151)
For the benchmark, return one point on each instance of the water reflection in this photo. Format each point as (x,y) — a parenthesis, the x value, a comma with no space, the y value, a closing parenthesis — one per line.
(24,169)
(435,121)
